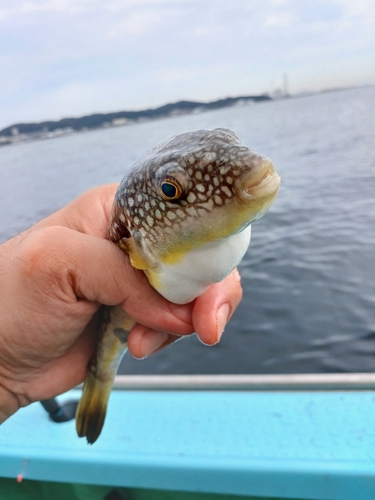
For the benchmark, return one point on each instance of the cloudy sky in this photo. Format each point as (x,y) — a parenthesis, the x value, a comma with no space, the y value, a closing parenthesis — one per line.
(61,58)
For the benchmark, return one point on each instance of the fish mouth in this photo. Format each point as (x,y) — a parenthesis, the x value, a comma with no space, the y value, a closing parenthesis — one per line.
(264,182)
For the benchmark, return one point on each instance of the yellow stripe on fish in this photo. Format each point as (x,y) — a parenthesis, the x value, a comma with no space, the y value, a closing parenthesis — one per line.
(183,216)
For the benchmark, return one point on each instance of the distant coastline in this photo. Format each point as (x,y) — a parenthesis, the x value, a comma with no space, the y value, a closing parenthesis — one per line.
(20,132)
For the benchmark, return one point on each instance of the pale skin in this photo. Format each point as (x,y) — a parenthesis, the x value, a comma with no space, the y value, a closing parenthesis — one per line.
(53,278)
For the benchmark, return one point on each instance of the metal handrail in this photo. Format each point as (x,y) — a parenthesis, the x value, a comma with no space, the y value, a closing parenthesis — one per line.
(284,382)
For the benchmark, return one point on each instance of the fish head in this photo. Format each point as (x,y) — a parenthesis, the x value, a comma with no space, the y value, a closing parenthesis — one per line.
(199,187)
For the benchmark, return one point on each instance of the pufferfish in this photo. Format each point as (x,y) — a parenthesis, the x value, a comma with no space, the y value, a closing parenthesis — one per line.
(183,215)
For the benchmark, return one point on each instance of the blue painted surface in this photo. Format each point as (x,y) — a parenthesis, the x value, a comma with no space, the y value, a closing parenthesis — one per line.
(317,445)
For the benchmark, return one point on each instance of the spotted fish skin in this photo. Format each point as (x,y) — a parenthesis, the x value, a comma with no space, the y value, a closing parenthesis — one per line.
(210,165)
(183,216)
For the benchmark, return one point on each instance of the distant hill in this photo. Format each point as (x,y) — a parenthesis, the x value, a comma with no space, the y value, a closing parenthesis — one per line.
(121,117)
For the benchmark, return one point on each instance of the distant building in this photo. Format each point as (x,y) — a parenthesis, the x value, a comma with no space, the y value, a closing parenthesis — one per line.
(4,140)
(285,85)
(119,121)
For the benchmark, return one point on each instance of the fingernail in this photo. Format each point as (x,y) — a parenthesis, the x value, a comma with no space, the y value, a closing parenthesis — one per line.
(222,317)
(152,342)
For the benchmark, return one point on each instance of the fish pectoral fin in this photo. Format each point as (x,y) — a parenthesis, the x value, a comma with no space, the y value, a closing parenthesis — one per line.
(140,256)
(92,407)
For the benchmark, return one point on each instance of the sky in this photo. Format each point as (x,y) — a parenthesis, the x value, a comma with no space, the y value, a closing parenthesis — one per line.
(62,58)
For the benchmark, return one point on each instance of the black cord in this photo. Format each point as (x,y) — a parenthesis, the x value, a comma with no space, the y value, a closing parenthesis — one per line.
(60,412)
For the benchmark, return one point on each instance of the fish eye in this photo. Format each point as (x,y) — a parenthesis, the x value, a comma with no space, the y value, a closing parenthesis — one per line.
(170,190)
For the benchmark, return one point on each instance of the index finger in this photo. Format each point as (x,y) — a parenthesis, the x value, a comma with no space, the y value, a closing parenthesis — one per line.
(213,308)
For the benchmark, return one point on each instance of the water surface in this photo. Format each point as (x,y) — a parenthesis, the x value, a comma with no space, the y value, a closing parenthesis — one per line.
(309,274)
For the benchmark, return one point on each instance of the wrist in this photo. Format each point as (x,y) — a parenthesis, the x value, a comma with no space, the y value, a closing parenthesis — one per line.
(9,402)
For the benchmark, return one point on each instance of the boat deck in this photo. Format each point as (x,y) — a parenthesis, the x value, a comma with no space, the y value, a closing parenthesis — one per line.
(288,443)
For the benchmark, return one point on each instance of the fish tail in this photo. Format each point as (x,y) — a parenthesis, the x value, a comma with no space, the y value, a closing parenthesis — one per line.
(92,407)
(114,328)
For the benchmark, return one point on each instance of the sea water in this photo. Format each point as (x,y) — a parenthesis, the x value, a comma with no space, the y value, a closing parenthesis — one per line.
(309,274)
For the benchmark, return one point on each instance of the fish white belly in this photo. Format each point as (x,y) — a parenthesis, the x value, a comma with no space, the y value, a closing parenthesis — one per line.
(190,277)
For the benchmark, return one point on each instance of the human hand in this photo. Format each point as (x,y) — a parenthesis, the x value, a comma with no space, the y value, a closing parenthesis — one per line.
(53,279)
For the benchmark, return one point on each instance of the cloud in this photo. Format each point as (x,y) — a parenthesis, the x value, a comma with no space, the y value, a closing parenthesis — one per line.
(135,24)
(62,57)
(20,8)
